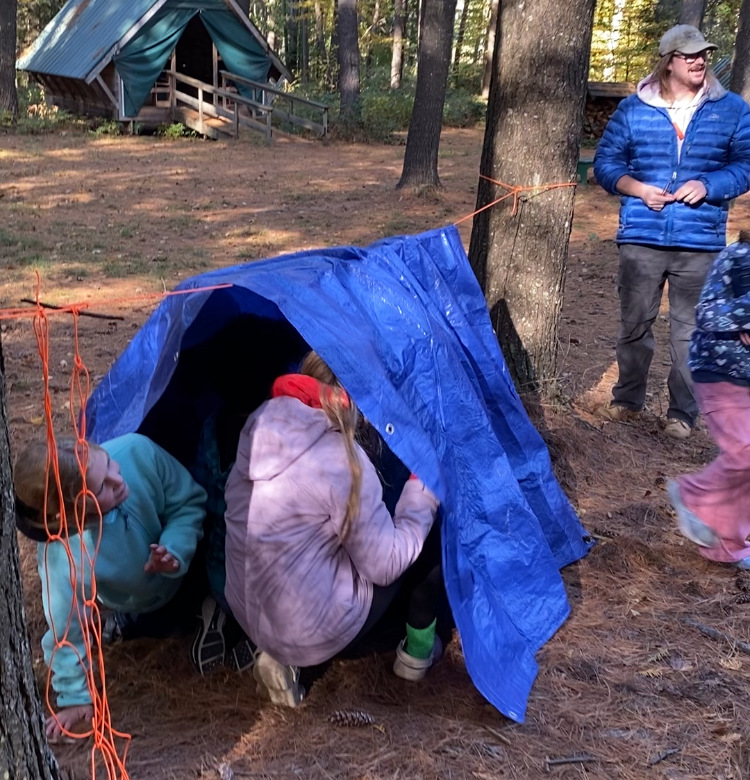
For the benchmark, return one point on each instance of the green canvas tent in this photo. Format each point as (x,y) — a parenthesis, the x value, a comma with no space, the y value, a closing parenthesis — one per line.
(104,57)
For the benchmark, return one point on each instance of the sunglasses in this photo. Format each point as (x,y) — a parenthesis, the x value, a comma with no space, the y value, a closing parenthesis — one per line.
(690,58)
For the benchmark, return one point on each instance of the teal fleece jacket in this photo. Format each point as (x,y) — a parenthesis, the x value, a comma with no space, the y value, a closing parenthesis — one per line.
(165,506)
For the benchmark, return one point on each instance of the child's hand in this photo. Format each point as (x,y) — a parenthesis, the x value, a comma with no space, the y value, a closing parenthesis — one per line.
(161,561)
(745,338)
(66,718)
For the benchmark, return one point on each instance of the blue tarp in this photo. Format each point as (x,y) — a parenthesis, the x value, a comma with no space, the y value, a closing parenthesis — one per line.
(404,325)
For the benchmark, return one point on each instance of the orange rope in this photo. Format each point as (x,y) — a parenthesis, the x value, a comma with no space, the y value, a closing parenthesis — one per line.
(514,192)
(84,607)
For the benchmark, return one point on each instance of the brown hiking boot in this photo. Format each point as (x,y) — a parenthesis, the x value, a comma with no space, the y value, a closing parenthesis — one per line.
(615,413)
(677,429)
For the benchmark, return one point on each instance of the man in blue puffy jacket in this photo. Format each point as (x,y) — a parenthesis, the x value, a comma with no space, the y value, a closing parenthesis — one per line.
(677,152)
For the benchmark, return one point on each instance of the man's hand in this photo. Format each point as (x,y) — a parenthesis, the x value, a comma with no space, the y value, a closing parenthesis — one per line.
(66,718)
(745,338)
(654,197)
(691,192)
(161,561)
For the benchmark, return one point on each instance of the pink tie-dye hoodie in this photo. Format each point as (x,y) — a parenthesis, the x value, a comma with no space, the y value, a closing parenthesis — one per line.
(299,591)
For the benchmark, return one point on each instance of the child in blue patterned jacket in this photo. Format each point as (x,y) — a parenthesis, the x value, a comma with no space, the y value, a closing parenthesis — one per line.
(713,506)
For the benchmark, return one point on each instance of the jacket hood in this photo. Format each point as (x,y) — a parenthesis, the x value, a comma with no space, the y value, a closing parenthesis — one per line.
(281,431)
(648,91)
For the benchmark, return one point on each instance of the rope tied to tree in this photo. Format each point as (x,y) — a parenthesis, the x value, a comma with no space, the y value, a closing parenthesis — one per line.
(514,191)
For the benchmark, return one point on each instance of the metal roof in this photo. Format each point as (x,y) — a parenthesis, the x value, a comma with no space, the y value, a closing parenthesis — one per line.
(81,35)
(723,71)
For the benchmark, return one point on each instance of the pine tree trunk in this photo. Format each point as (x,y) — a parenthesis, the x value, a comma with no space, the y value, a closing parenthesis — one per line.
(348,40)
(534,120)
(371,39)
(692,12)
(24,752)
(741,63)
(490,50)
(305,46)
(423,140)
(397,58)
(460,39)
(8,94)
(320,38)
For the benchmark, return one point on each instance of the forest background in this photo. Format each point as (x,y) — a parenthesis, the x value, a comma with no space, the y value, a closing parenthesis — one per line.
(303,32)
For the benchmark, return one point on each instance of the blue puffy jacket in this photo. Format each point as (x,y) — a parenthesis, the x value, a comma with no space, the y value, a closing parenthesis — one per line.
(640,141)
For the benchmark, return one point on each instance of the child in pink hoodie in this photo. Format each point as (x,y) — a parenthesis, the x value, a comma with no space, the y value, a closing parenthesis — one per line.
(313,555)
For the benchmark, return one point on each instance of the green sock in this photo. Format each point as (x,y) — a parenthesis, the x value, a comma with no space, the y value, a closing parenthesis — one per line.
(419,641)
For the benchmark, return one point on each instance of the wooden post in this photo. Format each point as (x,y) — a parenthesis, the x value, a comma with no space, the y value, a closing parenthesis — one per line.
(172,94)
(268,127)
(325,122)
(215,56)
(236,119)
(200,106)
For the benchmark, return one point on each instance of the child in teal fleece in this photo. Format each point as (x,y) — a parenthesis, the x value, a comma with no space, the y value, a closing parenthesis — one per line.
(152,520)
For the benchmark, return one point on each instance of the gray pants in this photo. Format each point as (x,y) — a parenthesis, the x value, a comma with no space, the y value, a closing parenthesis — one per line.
(643,272)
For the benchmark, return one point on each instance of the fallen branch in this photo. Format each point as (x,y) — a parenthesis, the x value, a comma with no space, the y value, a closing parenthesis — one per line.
(659,757)
(82,313)
(714,633)
(579,759)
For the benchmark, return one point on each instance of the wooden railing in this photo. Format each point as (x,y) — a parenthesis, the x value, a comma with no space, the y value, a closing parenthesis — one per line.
(224,105)
(288,114)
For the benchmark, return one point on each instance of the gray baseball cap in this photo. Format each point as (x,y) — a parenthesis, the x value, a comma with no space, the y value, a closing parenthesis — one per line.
(684,38)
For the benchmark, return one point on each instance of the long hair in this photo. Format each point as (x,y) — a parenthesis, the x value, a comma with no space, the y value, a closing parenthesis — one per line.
(30,480)
(660,76)
(744,237)
(344,416)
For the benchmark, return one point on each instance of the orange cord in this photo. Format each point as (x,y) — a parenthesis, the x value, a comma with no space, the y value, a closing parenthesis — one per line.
(513,192)
(84,607)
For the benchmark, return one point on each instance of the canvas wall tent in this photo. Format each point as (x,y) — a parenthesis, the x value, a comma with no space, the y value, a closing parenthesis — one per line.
(101,57)
(404,325)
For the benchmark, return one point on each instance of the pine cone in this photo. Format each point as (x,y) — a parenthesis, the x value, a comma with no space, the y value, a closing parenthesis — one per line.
(351,718)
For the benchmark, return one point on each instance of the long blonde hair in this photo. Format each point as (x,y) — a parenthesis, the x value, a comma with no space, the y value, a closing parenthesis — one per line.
(344,416)
(29,474)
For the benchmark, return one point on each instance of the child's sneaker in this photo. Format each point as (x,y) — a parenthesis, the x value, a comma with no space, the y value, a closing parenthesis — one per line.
(111,629)
(410,668)
(276,681)
(208,648)
(242,656)
(690,525)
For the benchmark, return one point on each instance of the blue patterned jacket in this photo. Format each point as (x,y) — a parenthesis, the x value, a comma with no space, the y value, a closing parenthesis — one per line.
(640,141)
(719,317)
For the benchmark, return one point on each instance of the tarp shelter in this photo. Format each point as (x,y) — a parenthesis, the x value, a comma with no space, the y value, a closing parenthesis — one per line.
(404,325)
(104,56)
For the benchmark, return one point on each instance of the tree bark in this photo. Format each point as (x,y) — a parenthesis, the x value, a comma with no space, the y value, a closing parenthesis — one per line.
(534,119)
(490,50)
(423,139)
(692,12)
(24,752)
(8,94)
(460,39)
(397,58)
(741,63)
(348,41)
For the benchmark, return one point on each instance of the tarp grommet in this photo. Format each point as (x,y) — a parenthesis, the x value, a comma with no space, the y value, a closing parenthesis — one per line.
(389,429)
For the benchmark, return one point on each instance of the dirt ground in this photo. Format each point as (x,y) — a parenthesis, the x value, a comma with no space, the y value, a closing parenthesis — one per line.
(627,684)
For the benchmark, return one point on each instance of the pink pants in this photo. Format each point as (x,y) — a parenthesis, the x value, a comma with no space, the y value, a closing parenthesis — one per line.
(720,494)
